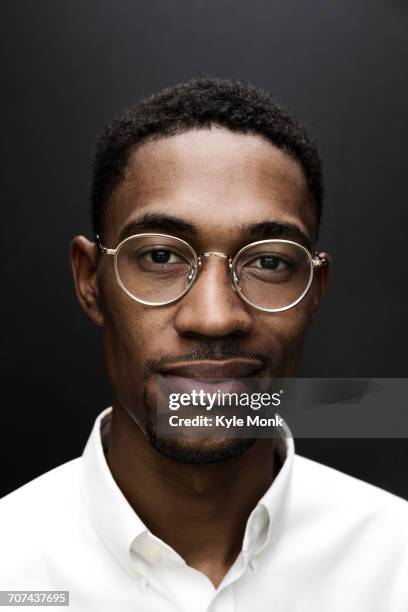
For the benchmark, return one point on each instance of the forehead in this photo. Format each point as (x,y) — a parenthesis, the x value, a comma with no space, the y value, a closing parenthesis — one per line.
(215,179)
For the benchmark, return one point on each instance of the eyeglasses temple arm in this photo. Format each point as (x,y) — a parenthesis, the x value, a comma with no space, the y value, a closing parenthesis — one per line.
(102,248)
(318,261)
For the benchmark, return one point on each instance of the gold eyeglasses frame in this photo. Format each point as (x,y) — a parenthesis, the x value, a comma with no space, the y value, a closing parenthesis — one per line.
(315,262)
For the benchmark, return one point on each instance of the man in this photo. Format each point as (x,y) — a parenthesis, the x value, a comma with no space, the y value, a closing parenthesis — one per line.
(182,184)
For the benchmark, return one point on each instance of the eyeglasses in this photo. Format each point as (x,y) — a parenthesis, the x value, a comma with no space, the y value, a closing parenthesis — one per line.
(157,269)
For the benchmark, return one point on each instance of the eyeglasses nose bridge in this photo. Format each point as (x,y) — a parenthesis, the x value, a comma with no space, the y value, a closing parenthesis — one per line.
(214,254)
(221,256)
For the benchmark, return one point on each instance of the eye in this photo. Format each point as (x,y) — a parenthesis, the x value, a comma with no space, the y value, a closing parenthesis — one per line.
(270,261)
(160,260)
(161,256)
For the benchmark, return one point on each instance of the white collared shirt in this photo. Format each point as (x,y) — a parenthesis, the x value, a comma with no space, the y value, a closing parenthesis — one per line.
(317,541)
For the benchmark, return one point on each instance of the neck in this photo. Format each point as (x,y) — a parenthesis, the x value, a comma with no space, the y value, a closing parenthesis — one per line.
(208,504)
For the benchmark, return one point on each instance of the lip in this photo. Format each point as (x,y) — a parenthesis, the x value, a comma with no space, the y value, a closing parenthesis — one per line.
(229,368)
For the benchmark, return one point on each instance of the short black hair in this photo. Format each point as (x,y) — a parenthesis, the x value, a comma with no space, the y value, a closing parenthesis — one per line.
(194,104)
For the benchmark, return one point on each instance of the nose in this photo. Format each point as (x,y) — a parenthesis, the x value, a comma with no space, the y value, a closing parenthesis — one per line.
(212,308)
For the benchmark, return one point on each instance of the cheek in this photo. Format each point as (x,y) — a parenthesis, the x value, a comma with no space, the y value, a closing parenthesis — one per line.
(133,334)
(282,335)
(126,338)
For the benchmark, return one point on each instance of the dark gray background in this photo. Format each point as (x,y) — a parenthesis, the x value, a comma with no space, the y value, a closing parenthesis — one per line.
(68,67)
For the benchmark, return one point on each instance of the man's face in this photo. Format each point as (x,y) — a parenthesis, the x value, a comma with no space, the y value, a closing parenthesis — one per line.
(218,184)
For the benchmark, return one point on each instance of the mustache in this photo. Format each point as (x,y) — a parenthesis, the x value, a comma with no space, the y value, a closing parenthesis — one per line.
(207,349)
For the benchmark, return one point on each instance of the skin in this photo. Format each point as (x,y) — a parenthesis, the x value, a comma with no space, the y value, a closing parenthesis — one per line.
(221,182)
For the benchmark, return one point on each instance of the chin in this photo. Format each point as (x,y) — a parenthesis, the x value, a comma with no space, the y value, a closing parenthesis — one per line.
(200,451)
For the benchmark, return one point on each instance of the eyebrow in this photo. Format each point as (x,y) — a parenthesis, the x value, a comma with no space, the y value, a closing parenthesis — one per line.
(157,221)
(169,223)
(279,229)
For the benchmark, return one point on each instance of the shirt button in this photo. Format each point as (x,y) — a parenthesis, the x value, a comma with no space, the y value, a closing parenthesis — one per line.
(254,564)
(153,552)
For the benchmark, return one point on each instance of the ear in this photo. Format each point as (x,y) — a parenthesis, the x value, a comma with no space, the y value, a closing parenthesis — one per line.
(84,261)
(321,281)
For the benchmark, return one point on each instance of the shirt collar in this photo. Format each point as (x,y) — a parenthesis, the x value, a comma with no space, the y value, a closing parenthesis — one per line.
(119,526)
(110,512)
(267,520)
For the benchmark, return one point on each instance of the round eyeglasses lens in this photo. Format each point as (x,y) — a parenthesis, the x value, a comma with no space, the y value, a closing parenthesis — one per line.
(273,275)
(155,269)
